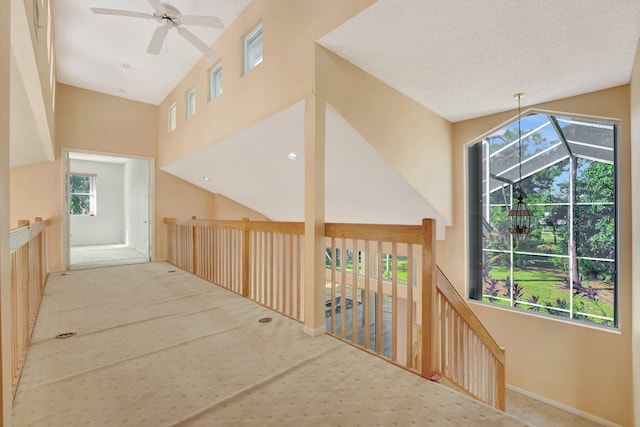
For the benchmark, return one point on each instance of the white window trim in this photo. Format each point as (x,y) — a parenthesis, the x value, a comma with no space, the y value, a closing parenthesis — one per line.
(253,34)
(215,70)
(191,106)
(92,193)
(173,117)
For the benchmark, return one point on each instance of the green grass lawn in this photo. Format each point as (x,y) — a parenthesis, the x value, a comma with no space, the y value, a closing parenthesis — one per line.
(547,285)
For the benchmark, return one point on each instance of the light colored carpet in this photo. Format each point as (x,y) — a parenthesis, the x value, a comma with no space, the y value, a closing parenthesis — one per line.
(91,256)
(156,348)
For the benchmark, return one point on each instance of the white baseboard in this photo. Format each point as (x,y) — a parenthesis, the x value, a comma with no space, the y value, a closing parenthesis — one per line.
(564,407)
(314,332)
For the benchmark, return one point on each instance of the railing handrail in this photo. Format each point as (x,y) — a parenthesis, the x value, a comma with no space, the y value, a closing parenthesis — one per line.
(433,289)
(411,234)
(20,236)
(462,308)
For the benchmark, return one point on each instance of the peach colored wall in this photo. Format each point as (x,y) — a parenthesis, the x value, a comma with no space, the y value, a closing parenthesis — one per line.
(225,208)
(413,139)
(585,368)
(285,76)
(92,121)
(635,182)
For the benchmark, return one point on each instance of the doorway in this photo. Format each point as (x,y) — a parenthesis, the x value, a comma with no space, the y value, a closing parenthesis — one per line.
(108,205)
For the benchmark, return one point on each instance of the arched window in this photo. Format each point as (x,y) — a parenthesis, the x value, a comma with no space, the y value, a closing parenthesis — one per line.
(567,265)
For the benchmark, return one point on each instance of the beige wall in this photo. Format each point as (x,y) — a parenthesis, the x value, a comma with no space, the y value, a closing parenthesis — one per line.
(635,182)
(413,139)
(285,76)
(91,121)
(585,368)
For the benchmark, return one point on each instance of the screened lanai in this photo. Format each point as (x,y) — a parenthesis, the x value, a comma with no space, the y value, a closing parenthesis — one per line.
(566,168)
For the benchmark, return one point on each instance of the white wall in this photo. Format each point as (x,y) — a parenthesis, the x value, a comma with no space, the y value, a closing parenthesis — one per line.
(136,202)
(108,225)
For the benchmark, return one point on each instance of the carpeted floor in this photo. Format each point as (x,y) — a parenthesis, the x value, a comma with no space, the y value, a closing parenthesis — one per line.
(92,256)
(162,348)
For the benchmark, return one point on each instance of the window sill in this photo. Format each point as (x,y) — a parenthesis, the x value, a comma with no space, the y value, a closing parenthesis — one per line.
(609,329)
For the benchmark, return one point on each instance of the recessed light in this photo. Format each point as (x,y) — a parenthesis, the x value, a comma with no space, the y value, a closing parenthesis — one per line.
(117,90)
(292,156)
(206,178)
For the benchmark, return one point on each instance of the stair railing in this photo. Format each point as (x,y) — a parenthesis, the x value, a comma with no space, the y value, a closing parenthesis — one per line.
(384,292)
(28,279)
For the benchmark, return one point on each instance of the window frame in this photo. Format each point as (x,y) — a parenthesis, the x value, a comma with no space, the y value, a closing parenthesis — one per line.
(255,34)
(475,225)
(173,117)
(92,194)
(215,81)
(191,102)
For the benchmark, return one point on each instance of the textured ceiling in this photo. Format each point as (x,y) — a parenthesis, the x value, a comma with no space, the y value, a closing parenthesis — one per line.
(467,58)
(91,48)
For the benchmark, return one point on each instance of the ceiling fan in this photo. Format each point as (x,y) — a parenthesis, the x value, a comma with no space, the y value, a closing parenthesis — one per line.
(170,17)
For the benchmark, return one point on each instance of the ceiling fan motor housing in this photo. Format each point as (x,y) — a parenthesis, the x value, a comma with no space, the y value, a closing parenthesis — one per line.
(171,13)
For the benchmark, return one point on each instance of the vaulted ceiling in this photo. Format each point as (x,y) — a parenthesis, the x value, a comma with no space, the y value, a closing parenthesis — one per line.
(460,59)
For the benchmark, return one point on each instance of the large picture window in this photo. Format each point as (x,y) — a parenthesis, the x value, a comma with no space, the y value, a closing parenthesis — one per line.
(567,265)
(82,191)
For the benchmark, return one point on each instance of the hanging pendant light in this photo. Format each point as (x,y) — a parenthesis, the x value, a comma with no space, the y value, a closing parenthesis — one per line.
(520,216)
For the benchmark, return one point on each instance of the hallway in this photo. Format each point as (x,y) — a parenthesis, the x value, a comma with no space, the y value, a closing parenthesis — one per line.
(156,346)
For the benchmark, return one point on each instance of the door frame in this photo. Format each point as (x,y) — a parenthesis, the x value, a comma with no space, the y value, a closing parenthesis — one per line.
(66,217)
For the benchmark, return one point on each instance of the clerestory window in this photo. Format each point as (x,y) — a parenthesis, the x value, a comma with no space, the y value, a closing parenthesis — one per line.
(253,49)
(567,265)
(215,81)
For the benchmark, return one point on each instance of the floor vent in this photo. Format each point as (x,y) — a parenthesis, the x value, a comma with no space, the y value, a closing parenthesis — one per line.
(65,335)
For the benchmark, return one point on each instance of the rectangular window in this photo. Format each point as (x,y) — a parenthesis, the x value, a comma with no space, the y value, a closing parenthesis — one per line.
(253,49)
(172,117)
(215,81)
(565,170)
(82,191)
(191,103)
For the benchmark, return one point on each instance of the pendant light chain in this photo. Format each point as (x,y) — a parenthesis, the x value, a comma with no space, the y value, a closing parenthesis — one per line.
(520,216)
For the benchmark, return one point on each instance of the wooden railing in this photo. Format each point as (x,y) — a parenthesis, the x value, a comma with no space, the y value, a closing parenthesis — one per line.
(383,290)
(466,355)
(28,278)
(261,260)
(373,309)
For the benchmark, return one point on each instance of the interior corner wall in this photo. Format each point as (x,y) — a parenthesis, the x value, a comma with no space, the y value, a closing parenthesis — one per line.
(411,138)
(107,226)
(635,249)
(582,367)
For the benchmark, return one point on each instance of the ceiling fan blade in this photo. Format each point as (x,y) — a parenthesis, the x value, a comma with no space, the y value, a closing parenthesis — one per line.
(191,38)
(116,12)
(203,21)
(158,6)
(159,35)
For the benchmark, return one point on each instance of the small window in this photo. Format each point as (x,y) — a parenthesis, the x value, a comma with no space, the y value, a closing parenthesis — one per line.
(215,81)
(82,189)
(191,103)
(253,49)
(172,117)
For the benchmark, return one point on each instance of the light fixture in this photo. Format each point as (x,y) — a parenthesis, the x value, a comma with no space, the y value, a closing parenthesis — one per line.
(292,156)
(206,179)
(520,216)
